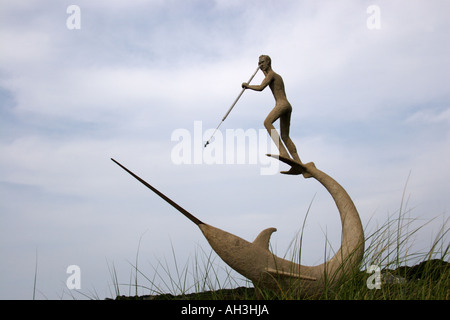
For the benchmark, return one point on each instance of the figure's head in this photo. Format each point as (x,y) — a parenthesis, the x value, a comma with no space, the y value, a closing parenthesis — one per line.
(264,63)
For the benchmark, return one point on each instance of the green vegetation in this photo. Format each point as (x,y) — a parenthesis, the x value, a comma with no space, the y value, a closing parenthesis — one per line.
(404,275)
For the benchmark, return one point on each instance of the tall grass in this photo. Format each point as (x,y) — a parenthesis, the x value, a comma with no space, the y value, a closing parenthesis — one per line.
(388,246)
(35,276)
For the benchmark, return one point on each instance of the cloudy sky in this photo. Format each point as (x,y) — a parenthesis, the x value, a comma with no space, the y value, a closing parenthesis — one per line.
(371,105)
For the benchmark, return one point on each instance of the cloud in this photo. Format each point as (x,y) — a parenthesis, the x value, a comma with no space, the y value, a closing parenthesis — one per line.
(430,116)
(370,106)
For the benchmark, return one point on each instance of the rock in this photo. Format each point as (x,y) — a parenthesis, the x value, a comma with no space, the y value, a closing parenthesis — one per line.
(431,269)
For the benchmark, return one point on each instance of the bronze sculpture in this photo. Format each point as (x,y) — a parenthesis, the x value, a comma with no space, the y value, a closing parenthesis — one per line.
(254,259)
(282,110)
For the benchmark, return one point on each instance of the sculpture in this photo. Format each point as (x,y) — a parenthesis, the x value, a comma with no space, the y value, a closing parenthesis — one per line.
(254,260)
(282,110)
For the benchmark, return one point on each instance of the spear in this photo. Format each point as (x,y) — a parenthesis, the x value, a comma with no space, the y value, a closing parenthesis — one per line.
(167,199)
(231,108)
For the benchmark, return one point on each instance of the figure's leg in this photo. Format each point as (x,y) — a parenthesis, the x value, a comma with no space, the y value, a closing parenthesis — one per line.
(285,123)
(268,123)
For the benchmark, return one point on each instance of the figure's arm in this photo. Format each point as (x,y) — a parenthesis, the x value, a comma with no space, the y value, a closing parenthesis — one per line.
(260,87)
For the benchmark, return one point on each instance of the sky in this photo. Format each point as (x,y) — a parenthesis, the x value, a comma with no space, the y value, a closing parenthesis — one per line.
(145,82)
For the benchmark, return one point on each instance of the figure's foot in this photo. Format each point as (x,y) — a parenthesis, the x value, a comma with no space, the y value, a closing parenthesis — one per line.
(297,168)
(293,171)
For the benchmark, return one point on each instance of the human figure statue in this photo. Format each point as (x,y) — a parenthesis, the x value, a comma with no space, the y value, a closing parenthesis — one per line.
(282,110)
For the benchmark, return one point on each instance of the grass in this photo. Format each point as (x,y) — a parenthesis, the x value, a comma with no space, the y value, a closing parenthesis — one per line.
(35,276)
(204,278)
(388,247)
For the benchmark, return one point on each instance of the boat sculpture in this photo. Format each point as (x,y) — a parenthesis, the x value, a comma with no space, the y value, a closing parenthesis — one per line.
(257,263)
